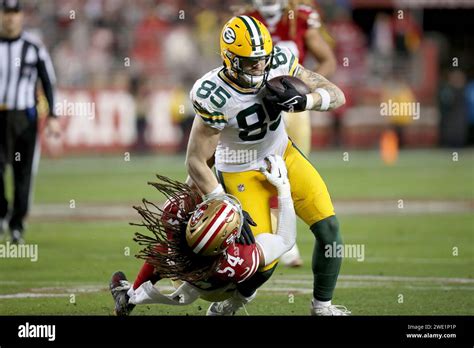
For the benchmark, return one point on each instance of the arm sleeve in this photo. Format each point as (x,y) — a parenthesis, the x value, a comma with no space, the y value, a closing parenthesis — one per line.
(147,294)
(47,77)
(275,245)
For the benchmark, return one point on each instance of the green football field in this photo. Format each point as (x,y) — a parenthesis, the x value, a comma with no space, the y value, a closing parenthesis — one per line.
(414,220)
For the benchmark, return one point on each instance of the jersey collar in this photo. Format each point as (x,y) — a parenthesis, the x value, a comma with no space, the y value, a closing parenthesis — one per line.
(235,86)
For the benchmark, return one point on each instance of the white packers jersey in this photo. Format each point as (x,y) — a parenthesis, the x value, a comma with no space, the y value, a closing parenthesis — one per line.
(248,132)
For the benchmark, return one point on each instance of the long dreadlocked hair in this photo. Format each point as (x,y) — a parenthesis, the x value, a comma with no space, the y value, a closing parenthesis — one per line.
(166,249)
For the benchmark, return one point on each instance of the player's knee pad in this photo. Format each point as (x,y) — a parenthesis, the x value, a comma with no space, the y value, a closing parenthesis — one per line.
(326,231)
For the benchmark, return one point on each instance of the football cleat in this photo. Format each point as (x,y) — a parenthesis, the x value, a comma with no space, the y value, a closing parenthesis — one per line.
(17,237)
(119,287)
(292,258)
(296,263)
(3,228)
(331,310)
(229,306)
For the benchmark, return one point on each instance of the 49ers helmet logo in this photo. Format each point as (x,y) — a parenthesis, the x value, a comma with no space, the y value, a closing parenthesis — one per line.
(198,215)
(228,35)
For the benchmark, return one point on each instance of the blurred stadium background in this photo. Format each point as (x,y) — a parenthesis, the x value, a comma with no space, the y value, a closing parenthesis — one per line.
(134,63)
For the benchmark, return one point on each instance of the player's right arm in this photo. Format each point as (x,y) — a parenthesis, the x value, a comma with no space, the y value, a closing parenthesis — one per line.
(205,134)
(201,147)
(325,94)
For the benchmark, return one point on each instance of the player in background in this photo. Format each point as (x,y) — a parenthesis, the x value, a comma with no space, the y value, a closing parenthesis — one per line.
(235,114)
(194,243)
(296,25)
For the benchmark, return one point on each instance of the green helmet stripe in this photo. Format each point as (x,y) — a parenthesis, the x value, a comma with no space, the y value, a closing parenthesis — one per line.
(253,31)
(260,38)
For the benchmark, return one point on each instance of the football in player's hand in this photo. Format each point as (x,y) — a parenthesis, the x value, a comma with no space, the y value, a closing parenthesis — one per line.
(285,93)
(276,84)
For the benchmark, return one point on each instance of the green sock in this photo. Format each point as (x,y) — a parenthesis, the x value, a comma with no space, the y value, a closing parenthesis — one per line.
(326,269)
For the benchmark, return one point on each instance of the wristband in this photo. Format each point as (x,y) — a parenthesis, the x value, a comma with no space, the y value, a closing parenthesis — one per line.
(309,102)
(325,98)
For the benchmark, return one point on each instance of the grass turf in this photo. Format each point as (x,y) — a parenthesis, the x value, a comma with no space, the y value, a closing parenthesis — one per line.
(74,259)
(77,258)
(418,174)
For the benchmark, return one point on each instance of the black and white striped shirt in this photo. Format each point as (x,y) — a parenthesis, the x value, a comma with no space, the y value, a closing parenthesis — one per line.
(22,61)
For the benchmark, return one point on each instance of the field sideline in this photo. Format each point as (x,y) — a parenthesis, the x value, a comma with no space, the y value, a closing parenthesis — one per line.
(417,261)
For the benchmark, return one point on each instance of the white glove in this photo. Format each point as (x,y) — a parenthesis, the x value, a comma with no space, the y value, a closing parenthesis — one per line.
(277,175)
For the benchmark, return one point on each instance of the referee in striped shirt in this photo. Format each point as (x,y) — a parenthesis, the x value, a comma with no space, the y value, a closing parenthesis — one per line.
(22,62)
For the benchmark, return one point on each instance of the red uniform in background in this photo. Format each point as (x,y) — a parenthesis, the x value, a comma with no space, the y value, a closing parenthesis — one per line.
(292,35)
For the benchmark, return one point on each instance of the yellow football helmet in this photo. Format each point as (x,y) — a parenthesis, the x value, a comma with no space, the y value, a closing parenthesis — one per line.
(247,51)
(214,226)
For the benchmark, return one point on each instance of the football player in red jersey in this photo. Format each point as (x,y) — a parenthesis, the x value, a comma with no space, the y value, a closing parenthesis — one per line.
(198,244)
(296,25)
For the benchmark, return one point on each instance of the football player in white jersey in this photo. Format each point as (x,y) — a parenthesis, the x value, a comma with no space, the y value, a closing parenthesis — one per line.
(297,25)
(239,123)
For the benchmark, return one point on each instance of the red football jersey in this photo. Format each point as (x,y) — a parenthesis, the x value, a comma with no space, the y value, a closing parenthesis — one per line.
(306,18)
(239,263)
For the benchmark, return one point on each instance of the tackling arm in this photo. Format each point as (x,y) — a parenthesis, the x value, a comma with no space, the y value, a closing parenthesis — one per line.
(147,294)
(325,95)
(272,246)
(201,147)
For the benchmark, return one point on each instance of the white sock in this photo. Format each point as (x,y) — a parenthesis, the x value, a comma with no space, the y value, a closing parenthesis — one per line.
(317,303)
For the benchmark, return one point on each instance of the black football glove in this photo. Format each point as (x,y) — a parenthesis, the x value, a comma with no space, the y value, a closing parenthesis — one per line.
(246,235)
(290,100)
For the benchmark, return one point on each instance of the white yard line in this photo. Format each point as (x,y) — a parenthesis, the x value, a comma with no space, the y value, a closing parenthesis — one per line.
(368,277)
(101,211)
(30,295)
(301,284)
(413,260)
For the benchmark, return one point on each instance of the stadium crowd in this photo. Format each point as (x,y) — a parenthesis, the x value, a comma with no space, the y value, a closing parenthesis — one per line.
(147,45)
